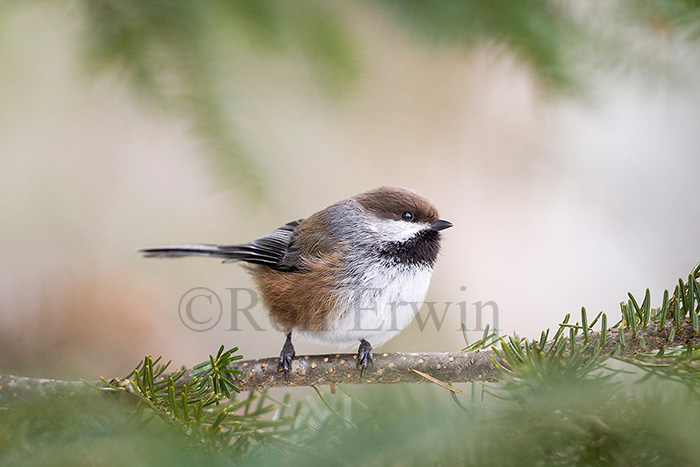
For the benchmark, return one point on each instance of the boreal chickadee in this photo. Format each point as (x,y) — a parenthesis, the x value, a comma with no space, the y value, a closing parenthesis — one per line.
(345,274)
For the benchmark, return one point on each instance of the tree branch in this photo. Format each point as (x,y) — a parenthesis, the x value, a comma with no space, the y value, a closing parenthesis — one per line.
(13,387)
(309,370)
(447,367)
(389,368)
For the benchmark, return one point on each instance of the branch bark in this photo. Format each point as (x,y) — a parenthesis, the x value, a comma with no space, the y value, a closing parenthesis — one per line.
(447,367)
(13,387)
(458,367)
(308,370)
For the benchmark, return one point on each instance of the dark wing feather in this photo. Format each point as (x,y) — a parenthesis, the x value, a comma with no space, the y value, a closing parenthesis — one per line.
(267,250)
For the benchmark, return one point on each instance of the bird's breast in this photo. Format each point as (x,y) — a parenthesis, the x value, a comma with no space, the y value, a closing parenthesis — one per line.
(378,302)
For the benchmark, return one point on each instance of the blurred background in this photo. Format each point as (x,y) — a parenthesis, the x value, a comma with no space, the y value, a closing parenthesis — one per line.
(562,139)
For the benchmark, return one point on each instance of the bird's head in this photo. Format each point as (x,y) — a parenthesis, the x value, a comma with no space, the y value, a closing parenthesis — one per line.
(399,214)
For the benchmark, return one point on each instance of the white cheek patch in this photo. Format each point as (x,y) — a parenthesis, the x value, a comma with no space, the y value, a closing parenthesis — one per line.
(399,231)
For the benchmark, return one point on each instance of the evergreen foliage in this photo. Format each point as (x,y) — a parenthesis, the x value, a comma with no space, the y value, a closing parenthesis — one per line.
(569,399)
(193,58)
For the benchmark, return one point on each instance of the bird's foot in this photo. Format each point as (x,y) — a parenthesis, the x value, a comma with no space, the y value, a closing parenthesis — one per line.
(364,356)
(286,357)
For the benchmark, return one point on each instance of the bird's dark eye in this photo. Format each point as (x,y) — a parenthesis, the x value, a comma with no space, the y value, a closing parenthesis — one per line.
(407,216)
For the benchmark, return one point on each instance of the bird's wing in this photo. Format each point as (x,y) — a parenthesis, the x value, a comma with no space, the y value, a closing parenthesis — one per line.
(309,242)
(268,250)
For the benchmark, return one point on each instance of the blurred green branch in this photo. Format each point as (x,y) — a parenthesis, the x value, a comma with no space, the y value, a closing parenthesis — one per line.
(189,58)
(563,389)
(182,56)
(573,348)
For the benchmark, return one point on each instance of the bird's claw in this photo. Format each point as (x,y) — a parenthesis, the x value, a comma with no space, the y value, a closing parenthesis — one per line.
(364,356)
(286,357)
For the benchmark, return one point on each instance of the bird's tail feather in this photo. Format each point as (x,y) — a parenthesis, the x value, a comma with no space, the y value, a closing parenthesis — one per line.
(179,251)
(229,254)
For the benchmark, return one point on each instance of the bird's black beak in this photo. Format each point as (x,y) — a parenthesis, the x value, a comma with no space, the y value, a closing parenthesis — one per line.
(440,224)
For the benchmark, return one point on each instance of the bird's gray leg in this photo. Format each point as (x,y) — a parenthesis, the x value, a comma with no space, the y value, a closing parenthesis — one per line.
(364,355)
(286,357)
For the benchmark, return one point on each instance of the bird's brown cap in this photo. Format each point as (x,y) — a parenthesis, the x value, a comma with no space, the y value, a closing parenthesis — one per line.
(390,202)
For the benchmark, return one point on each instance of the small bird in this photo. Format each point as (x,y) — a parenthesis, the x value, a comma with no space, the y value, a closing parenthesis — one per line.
(347,273)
